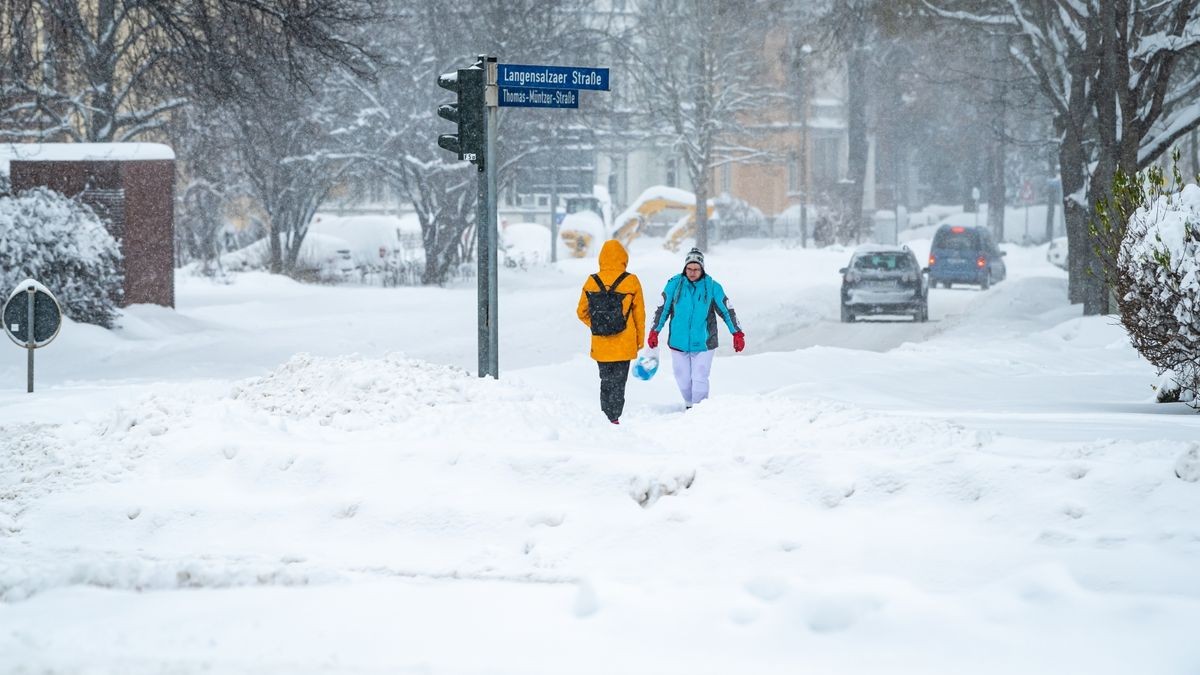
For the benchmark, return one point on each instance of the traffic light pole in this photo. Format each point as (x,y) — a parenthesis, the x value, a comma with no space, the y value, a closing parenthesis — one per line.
(475,141)
(486,216)
(29,344)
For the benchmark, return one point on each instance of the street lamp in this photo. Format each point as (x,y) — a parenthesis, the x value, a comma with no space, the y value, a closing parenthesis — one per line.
(802,54)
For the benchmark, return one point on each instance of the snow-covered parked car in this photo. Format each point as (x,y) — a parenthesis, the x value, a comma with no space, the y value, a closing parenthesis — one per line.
(882,279)
(1056,254)
(525,245)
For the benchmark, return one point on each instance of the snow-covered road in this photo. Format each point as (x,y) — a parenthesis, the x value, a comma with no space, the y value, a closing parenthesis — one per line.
(989,492)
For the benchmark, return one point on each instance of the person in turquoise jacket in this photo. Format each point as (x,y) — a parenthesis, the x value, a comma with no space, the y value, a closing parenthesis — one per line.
(692,301)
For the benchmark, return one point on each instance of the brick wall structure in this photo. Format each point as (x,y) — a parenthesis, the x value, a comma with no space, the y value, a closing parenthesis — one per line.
(132,185)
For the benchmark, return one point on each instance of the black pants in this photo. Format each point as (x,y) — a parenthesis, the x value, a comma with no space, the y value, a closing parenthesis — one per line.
(613,376)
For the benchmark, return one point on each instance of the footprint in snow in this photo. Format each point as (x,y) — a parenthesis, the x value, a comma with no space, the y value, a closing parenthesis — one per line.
(647,490)
(547,518)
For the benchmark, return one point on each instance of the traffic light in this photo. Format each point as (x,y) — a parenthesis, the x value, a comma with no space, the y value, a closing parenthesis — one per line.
(468,113)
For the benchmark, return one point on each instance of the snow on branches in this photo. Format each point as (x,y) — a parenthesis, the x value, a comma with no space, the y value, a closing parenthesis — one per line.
(63,244)
(1156,274)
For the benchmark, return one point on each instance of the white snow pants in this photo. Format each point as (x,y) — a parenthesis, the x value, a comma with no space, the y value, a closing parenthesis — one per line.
(691,374)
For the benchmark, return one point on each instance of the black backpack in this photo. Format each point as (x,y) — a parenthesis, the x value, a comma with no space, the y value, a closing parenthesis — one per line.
(604,306)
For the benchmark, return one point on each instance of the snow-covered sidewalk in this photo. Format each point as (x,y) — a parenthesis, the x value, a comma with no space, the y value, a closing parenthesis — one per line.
(288,479)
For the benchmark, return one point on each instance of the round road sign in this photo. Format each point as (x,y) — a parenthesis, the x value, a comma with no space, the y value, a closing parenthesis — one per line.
(46,319)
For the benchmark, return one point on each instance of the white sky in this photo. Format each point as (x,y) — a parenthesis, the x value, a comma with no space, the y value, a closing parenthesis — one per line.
(280,478)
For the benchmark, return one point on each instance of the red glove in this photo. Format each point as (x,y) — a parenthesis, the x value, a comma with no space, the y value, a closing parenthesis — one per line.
(652,339)
(739,341)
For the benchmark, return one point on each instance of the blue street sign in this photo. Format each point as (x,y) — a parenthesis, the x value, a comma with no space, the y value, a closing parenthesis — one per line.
(552,77)
(530,97)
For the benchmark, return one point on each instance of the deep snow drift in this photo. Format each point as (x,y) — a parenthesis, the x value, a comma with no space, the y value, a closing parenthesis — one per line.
(306,479)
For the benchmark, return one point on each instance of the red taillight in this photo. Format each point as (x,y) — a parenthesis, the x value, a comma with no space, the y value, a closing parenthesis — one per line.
(932,259)
(958,229)
(980,261)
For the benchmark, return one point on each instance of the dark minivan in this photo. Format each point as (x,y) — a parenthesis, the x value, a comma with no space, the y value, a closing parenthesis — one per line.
(962,254)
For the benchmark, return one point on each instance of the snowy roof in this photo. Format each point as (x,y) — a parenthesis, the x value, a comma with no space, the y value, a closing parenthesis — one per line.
(79,152)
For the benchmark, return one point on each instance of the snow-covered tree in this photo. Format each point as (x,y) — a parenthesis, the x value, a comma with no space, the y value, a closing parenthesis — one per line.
(698,68)
(63,244)
(19,113)
(1122,81)
(207,184)
(399,125)
(123,70)
(1154,267)
(854,28)
(399,135)
(287,143)
(113,70)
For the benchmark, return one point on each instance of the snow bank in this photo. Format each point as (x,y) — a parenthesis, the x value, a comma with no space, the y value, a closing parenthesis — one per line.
(525,244)
(350,393)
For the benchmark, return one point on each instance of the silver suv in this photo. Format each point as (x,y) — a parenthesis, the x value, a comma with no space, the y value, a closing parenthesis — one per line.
(883,279)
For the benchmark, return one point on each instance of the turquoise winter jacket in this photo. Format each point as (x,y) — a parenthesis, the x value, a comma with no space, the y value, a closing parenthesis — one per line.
(692,308)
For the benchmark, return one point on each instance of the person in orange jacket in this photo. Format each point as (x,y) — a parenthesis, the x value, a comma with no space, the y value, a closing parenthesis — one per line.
(612,306)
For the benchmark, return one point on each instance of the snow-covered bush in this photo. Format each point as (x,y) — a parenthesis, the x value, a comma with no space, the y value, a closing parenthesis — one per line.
(63,244)
(1155,271)
(525,245)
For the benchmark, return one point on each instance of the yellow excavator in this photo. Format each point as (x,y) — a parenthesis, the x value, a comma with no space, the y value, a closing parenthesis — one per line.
(583,224)
(581,230)
(649,205)
(684,229)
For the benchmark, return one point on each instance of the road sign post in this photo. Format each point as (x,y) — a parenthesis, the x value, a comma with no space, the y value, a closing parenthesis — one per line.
(30,294)
(32,319)
(1027,197)
(482,89)
(492,225)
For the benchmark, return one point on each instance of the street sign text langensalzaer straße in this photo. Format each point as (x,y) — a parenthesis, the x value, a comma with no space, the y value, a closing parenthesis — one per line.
(551,77)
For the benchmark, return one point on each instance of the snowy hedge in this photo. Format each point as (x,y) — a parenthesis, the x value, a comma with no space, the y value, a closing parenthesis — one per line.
(64,245)
(1156,276)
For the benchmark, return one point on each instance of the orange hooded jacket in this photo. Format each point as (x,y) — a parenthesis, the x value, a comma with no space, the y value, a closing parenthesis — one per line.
(623,346)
